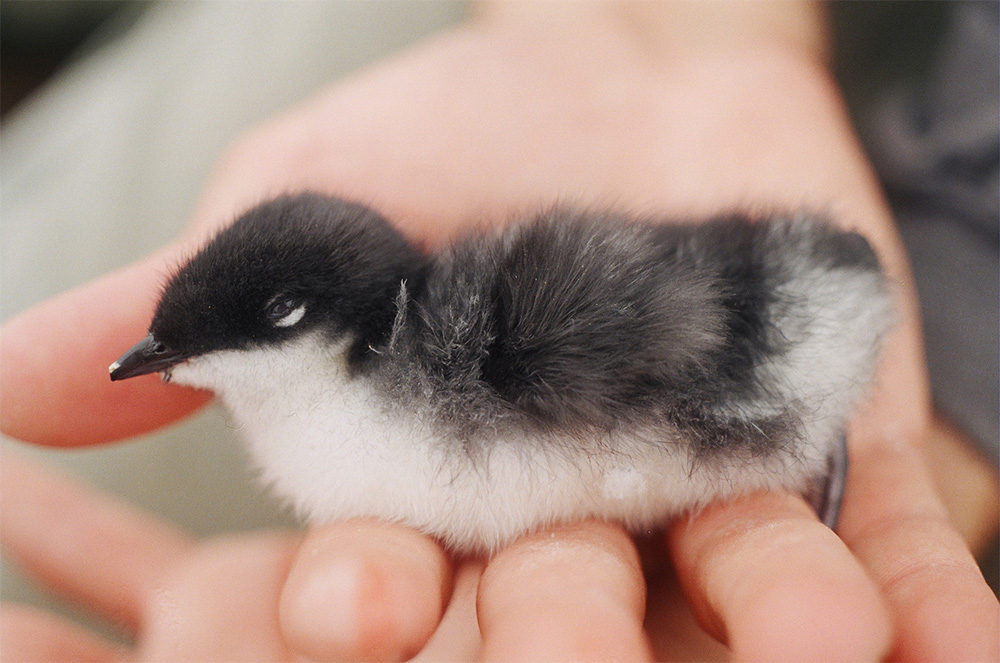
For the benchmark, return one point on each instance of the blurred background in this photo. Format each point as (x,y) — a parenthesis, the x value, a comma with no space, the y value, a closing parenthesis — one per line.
(112,113)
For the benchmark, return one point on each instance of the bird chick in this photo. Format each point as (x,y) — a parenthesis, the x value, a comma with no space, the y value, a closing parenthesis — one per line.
(572,365)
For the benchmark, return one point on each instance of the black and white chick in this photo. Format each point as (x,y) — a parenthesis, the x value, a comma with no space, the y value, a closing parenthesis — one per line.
(572,365)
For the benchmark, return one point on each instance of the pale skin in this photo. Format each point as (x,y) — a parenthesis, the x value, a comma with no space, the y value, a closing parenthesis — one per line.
(652,116)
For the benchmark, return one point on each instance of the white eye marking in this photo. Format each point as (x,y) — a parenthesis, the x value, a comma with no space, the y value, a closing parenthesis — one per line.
(291,317)
(285,312)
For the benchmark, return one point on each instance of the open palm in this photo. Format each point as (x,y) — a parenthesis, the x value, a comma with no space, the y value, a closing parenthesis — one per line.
(473,126)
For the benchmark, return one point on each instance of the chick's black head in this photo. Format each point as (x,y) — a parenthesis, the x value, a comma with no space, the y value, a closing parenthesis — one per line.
(289,265)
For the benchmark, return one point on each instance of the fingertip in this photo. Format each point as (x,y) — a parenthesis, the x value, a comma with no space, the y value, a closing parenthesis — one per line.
(573,592)
(362,590)
(765,576)
(895,523)
(589,543)
(54,362)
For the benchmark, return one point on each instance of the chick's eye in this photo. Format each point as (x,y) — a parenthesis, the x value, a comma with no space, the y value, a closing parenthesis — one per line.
(285,311)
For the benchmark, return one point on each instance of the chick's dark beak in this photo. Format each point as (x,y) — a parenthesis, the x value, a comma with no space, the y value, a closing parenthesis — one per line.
(146,356)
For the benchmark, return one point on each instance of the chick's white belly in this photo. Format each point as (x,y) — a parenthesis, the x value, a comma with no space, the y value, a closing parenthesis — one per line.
(330,445)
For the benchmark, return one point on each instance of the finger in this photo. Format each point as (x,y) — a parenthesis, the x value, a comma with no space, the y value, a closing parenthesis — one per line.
(457,636)
(219,603)
(54,362)
(674,633)
(966,483)
(54,357)
(571,593)
(767,578)
(86,547)
(33,635)
(896,525)
(892,520)
(364,590)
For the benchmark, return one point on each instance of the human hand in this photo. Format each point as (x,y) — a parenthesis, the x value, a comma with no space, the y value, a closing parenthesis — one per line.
(652,117)
(174,598)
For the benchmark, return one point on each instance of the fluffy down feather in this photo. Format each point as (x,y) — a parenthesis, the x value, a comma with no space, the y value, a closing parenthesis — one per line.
(571,365)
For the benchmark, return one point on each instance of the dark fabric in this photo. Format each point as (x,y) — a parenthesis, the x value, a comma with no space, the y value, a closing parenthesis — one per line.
(936,146)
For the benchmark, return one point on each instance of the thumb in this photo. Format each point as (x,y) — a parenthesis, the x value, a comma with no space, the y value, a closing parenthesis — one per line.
(54,362)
